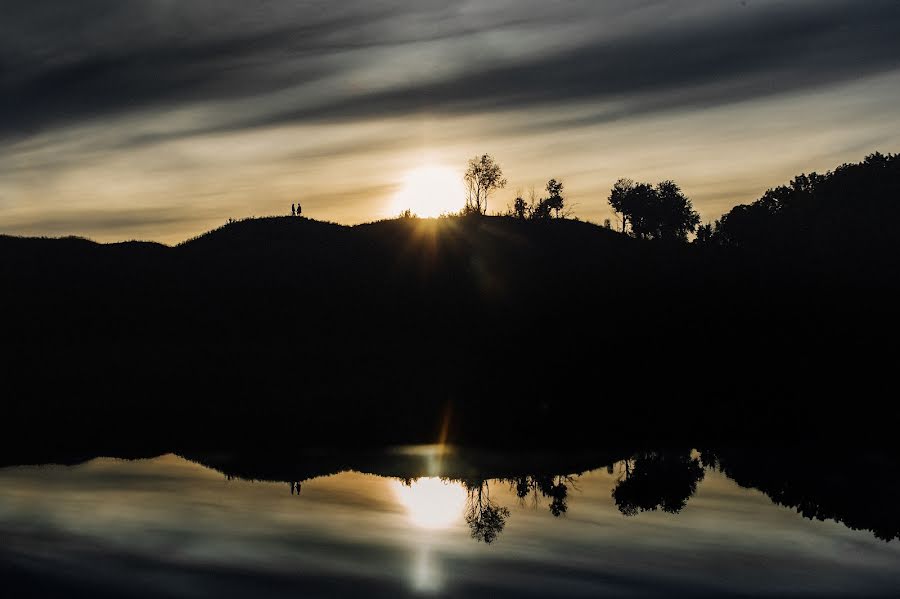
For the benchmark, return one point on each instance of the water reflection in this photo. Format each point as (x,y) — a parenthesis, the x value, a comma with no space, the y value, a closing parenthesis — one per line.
(652,523)
(431,503)
(860,489)
(556,488)
(426,575)
(484,516)
(437,503)
(657,480)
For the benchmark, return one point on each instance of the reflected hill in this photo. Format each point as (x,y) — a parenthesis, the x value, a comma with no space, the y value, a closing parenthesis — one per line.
(856,488)
(533,474)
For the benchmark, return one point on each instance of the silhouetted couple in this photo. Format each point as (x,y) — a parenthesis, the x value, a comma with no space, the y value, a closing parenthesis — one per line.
(295,210)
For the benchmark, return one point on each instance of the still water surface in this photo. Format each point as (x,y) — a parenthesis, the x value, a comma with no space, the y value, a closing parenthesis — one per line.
(175,527)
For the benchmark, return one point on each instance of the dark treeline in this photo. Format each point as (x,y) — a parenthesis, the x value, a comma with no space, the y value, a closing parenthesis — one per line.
(852,209)
(491,329)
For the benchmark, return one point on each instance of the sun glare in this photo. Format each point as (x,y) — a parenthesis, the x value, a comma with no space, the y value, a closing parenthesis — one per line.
(431,502)
(429,191)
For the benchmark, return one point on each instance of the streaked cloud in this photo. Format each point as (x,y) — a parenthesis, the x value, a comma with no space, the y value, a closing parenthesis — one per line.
(157,119)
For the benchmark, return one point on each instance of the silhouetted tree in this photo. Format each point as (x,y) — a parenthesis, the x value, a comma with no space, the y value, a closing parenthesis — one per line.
(520,208)
(661,212)
(676,217)
(621,199)
(705,233)
(541,210)
(554,203)
(483,176)
(748,226)
(643,210)
(555,200)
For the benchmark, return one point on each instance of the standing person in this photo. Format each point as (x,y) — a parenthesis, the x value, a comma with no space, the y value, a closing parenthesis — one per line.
(298,209)
(293,211)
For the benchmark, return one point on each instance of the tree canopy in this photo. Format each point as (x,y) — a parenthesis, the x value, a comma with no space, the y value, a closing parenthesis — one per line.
(854,205)
(660,212)
(552,205)
(483,176)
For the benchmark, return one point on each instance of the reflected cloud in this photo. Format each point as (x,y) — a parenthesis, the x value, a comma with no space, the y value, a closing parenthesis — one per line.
(96,527)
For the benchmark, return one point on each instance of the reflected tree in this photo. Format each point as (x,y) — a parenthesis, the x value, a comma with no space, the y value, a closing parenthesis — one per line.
(558,492)
(485,518)
(556,488)
(657,480)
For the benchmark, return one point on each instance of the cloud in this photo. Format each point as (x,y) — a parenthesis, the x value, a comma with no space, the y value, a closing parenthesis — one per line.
(685,60)
(153,118)
(701,64)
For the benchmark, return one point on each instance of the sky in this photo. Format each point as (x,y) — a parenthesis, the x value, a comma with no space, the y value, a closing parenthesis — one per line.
(160,119)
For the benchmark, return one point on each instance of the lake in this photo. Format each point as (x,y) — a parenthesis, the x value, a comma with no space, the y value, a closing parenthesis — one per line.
(432,521)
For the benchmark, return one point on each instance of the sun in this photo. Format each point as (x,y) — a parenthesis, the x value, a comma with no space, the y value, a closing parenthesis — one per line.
(429,191)
(431,503)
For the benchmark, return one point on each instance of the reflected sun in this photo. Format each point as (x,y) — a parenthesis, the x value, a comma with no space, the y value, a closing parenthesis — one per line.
(429,191)
(431,502)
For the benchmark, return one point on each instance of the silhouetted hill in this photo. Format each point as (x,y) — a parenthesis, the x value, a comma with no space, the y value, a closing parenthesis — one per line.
(526,331)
